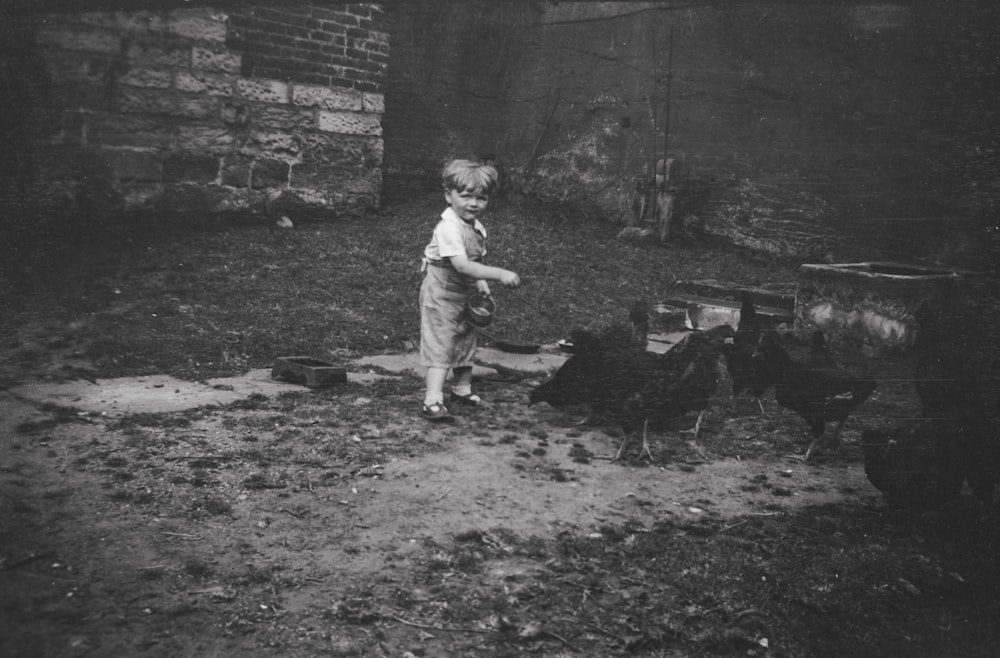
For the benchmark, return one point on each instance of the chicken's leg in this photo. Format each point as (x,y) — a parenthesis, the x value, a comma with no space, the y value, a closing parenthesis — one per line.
(645,442)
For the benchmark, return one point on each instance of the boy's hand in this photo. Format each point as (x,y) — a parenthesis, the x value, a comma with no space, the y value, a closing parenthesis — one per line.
(510,279)
(483,287)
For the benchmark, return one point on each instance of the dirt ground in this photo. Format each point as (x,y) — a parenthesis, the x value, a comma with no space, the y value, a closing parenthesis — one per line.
(336,522)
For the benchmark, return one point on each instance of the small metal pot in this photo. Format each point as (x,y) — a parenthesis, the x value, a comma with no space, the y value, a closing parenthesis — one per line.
(479,310)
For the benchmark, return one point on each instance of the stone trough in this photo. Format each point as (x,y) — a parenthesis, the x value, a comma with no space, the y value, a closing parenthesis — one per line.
(869,306)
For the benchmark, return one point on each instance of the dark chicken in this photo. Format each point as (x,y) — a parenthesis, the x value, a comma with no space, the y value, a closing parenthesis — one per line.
(605,370)
(750,372)
(624,384)
(957,378)
(685,380)
(903,465)
(817,389)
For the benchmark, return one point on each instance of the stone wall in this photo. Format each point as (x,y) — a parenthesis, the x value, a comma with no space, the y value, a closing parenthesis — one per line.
(264,108)
(820,131)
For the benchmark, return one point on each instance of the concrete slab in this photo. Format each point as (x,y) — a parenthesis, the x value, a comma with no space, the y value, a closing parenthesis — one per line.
(153,394)
(489,362)
(163,394)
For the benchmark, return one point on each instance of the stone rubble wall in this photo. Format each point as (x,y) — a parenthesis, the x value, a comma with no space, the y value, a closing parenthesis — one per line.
(264,109)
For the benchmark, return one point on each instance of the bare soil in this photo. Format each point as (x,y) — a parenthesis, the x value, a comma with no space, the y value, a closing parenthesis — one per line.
(336,522)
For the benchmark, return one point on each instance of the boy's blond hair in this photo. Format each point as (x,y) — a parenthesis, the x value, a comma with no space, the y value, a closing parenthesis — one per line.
(469,175)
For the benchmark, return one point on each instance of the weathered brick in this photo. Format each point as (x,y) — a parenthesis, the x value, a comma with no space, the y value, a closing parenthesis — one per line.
(264,91)
(349,123)
(212,60)
(235,171)
(135,166)
(212,84)
(374,103)
(327,98)
(204,139)
(269,173)
(196,25)
(151,78)
(184,167)
(93,40)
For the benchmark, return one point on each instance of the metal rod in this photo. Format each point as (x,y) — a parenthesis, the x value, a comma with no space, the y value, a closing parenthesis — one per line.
(666,120)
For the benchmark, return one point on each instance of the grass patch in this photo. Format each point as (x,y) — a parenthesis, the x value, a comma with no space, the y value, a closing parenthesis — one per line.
(201,304)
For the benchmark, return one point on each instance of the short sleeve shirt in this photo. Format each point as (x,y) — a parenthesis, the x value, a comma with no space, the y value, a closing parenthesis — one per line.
(450,238)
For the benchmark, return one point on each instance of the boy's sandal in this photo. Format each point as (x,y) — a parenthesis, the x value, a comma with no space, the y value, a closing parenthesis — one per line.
(436,411)
(470,400)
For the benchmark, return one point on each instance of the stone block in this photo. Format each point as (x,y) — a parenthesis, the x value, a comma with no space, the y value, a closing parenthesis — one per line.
(269,144)
(196,25)
(78,95)
(262,91)
(184,167)
(327,98)
(347,180)
(127,21)
(284,117)
(152,101)
(71,163)
(202,199)
(346,151)
(236,200)
(307,371)
(305,204)
(140,196)
(206,139)
(223,61)
(235,113)
(235,171)
(151,78)
(84,39)
(69,128)
(111,129)
(165,54)
(136,166)
(373,103)
(349,123)
(269,173)
(204,83)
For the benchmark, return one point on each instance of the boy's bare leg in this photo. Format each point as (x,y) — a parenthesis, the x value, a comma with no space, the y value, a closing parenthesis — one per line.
(435,385)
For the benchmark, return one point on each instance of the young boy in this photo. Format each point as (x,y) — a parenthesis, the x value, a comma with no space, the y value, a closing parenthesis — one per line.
(454,271)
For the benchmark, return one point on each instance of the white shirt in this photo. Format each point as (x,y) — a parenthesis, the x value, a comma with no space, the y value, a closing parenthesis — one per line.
(448,238)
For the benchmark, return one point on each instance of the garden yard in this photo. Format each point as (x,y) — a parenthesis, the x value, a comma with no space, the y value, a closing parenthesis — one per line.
(337,522)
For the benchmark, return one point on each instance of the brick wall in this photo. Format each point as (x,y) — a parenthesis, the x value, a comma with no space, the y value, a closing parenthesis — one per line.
(260,109)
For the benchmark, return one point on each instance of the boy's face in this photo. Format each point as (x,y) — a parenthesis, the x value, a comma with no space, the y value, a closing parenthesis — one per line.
(467,204)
